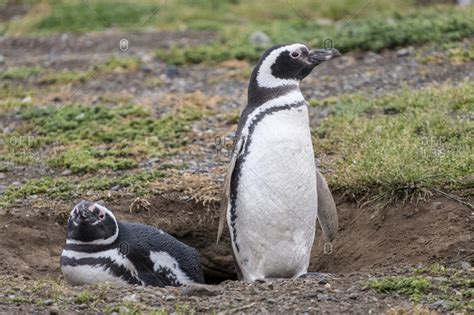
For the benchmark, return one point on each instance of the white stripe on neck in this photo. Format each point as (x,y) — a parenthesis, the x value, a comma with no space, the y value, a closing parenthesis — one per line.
(265,78)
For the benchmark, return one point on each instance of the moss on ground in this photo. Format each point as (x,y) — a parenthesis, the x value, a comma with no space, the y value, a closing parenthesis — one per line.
(111,65)
(53,188)
(414,286)
(66,188)
(86,139)
(19,73)
(455,288)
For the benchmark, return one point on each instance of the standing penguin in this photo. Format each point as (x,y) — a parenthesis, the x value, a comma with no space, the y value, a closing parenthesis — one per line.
(99,248)
(273,192)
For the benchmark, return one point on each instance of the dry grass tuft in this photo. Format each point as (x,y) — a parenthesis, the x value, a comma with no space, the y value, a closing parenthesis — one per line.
(200,188)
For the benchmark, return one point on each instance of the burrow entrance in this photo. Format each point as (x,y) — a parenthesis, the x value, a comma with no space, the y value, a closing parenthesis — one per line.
(436,230)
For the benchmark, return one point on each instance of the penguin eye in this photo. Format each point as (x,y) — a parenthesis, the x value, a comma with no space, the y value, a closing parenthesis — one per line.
(101,216)
(295,54)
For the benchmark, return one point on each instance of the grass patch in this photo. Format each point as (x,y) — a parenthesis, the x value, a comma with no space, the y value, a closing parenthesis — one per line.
(461,55)
(53,188)
(80,17)
(401,146)
(350,25)
(113,64)
(430,284)
(88,139)
(138,182)
(85,160)
(414,287)
(372,33)
(19,73)
(7,90)
(66,188)
(96,15)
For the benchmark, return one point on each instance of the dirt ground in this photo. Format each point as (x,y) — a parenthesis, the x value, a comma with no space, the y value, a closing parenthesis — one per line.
(32,233)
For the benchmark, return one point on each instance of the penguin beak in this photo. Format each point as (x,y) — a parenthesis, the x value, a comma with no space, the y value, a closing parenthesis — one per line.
(85,214)
(318,56)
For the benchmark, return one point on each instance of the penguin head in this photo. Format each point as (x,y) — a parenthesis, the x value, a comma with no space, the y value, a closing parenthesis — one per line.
(91,223)
(289,64)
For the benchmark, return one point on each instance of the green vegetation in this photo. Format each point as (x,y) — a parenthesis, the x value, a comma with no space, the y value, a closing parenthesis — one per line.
(91,138)
(435,269)
(53,188)
(77,16)
(19,73)
(84,297)
(400,146)
(412,286)
(7,90)
(138,182)
(113,64)
(430,284)
(371,33)
(349,25)
(96,15)
(461,54)
(66,188)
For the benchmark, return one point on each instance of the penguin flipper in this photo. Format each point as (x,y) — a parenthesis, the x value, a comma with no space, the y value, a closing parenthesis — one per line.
(327,212)
(226,195)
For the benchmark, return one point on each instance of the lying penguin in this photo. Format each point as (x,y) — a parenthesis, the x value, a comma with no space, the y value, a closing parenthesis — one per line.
(99,248)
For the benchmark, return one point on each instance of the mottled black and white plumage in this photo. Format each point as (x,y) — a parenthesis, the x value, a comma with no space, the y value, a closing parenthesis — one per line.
(99,248)
(272,187)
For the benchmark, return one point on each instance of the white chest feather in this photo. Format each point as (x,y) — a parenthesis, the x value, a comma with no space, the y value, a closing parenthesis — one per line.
(277,198)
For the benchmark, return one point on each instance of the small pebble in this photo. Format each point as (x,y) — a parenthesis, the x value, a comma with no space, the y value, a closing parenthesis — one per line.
(260,38)
(82,306)
(403,52)
(48,302)
(172,71)
(115,188)
(66,173)
(130,298)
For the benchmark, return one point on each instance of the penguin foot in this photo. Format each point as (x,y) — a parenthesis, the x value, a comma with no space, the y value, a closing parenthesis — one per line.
(321,276)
